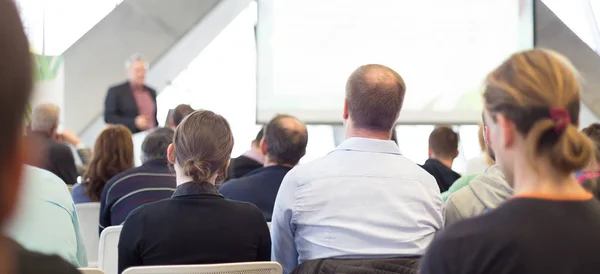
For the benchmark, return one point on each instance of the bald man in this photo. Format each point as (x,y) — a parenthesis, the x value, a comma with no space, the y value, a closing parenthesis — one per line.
(364,199)
(283,145)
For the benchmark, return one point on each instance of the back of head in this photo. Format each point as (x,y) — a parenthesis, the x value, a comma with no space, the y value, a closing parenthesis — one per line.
(113,154)
(593,131)
(374,95)
(443,142)
(286,139)
(156,143)
(202,146)
(45,118)
(538,91)
(15,88)
(259,137)
(180,112)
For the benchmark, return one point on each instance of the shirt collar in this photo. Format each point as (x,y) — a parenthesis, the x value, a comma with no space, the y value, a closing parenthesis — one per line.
(195,189)
(369,145)
(255,155)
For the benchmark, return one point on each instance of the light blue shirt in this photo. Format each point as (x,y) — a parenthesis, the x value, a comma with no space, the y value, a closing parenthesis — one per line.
(45,220)
(362,200)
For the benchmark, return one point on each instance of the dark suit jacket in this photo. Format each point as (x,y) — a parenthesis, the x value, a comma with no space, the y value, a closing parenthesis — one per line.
(258,187)
(58,159)
(120,107)
(241,166)
(195,226)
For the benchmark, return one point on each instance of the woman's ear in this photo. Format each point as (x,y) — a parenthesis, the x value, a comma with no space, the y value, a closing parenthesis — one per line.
(171,154)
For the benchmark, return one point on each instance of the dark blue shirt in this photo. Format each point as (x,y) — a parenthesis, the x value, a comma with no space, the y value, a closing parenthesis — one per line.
(153,181)
(258,187)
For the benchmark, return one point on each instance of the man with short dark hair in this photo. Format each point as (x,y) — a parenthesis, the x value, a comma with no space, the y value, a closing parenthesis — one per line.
(443,149)
(150,182)
(180,112)
(283,145)
(364,199)
(16,84)
(249,161)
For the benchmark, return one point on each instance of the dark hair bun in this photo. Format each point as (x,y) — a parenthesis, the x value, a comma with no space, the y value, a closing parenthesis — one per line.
(197,169)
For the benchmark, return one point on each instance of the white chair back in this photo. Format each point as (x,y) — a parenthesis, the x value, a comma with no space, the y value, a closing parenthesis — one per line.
(108,252)
(89,216)
(90,271)
(236,268)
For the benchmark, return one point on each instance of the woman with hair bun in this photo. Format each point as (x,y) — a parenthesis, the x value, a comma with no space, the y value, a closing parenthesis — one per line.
(551,224)
(197,225)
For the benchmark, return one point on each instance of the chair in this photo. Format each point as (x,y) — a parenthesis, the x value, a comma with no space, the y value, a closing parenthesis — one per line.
(108,251)
(90,271)
(89,215)
(235,268)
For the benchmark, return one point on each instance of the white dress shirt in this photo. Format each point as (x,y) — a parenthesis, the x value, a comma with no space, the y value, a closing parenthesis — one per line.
(362,200)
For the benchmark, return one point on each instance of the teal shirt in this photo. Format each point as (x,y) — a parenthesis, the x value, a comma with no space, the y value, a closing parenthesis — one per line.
(458,184)
(45,219)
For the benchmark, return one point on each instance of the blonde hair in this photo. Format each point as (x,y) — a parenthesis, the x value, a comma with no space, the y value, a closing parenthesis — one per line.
(526,89)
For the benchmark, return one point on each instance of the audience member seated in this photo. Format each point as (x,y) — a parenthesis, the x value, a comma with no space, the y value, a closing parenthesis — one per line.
(465,180)
(284,144)
(483,193)
(197,225)
(113,154)
(443,149)
(249,161)
(58,156)
(481,163)
(551,225)
(132,188)
(180,112)
(45,220)
(364,199)
(590,177)
(16,84)
(84,153)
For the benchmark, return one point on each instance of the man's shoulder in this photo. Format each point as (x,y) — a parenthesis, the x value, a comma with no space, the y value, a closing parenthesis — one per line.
(119,86)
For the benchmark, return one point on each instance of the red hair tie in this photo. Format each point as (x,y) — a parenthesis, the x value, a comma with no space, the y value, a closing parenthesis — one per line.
(561,118)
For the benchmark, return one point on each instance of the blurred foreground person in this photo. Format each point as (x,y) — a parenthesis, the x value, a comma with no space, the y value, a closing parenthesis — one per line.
(15,88)
(551,224)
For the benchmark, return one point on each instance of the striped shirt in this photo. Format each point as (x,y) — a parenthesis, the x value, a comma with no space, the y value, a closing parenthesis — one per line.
(153,181)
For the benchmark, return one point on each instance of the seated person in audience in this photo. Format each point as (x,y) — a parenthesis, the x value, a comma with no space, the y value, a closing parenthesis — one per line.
(180,112)
(443,149)
(283,145)
(481,163)
(197,225)
(58,156)
(45,220)
(249,161)
(590,177)
(84,153)
(364,199)
(16,84)
(132,188)
(483,193)
(465,180)
(113,154)
(551,225)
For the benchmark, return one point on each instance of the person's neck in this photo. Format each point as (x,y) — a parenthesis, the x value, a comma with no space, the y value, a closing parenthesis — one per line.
(181,178)
(546,181)
(269,163)
(445,162)
(353,132)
